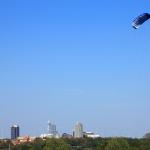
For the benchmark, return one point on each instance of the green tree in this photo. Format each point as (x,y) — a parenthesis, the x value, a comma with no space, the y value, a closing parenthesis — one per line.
(56,144)
(117,144)
(38,144)
(144,144)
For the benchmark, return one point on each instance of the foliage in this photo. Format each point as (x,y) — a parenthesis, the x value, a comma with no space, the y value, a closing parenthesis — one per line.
(81,144)
(56,144)
(117,144)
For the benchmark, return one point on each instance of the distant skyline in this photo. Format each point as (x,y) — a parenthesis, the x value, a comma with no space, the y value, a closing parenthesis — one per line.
(68,61)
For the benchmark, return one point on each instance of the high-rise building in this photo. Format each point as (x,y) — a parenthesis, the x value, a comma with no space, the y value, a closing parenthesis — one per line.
(14,131)
(52,128)
(52,132)
(78,130)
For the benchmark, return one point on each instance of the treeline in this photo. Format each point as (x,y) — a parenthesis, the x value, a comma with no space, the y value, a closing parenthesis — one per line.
(81,144)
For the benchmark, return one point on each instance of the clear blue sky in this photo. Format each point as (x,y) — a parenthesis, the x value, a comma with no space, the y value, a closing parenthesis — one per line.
(74,60)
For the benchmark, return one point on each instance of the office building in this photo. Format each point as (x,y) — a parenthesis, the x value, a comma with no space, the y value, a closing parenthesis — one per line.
(78,130)
(52,128)
(14,131)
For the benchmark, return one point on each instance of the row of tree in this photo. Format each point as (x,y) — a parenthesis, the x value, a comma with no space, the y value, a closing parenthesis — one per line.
(81,144)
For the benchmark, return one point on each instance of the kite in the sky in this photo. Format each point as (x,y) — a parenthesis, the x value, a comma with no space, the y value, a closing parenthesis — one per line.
(140,20)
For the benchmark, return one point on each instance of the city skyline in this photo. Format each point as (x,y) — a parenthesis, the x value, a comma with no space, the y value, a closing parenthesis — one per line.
(77,132)
(74,60)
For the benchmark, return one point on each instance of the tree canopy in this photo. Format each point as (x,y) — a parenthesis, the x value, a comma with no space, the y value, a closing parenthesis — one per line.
(81,144)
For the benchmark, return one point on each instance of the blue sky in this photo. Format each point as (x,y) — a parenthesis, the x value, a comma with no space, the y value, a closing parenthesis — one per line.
(74,60)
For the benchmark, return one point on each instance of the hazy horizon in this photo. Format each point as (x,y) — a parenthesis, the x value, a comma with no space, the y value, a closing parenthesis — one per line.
(68,61)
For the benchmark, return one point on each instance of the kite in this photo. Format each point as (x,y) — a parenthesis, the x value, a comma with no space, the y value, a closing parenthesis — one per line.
(140,20)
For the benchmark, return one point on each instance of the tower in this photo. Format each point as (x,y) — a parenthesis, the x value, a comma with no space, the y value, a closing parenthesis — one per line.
(14,131)
(51,128)
(78,130)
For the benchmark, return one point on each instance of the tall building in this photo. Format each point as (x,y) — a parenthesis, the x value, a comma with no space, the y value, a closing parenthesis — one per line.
(52,128)
(14,131)
(78,130)
(52,132)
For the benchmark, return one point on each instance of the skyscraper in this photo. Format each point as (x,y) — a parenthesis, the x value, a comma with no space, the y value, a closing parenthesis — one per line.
(78,130)
(52,128)
(14,131)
